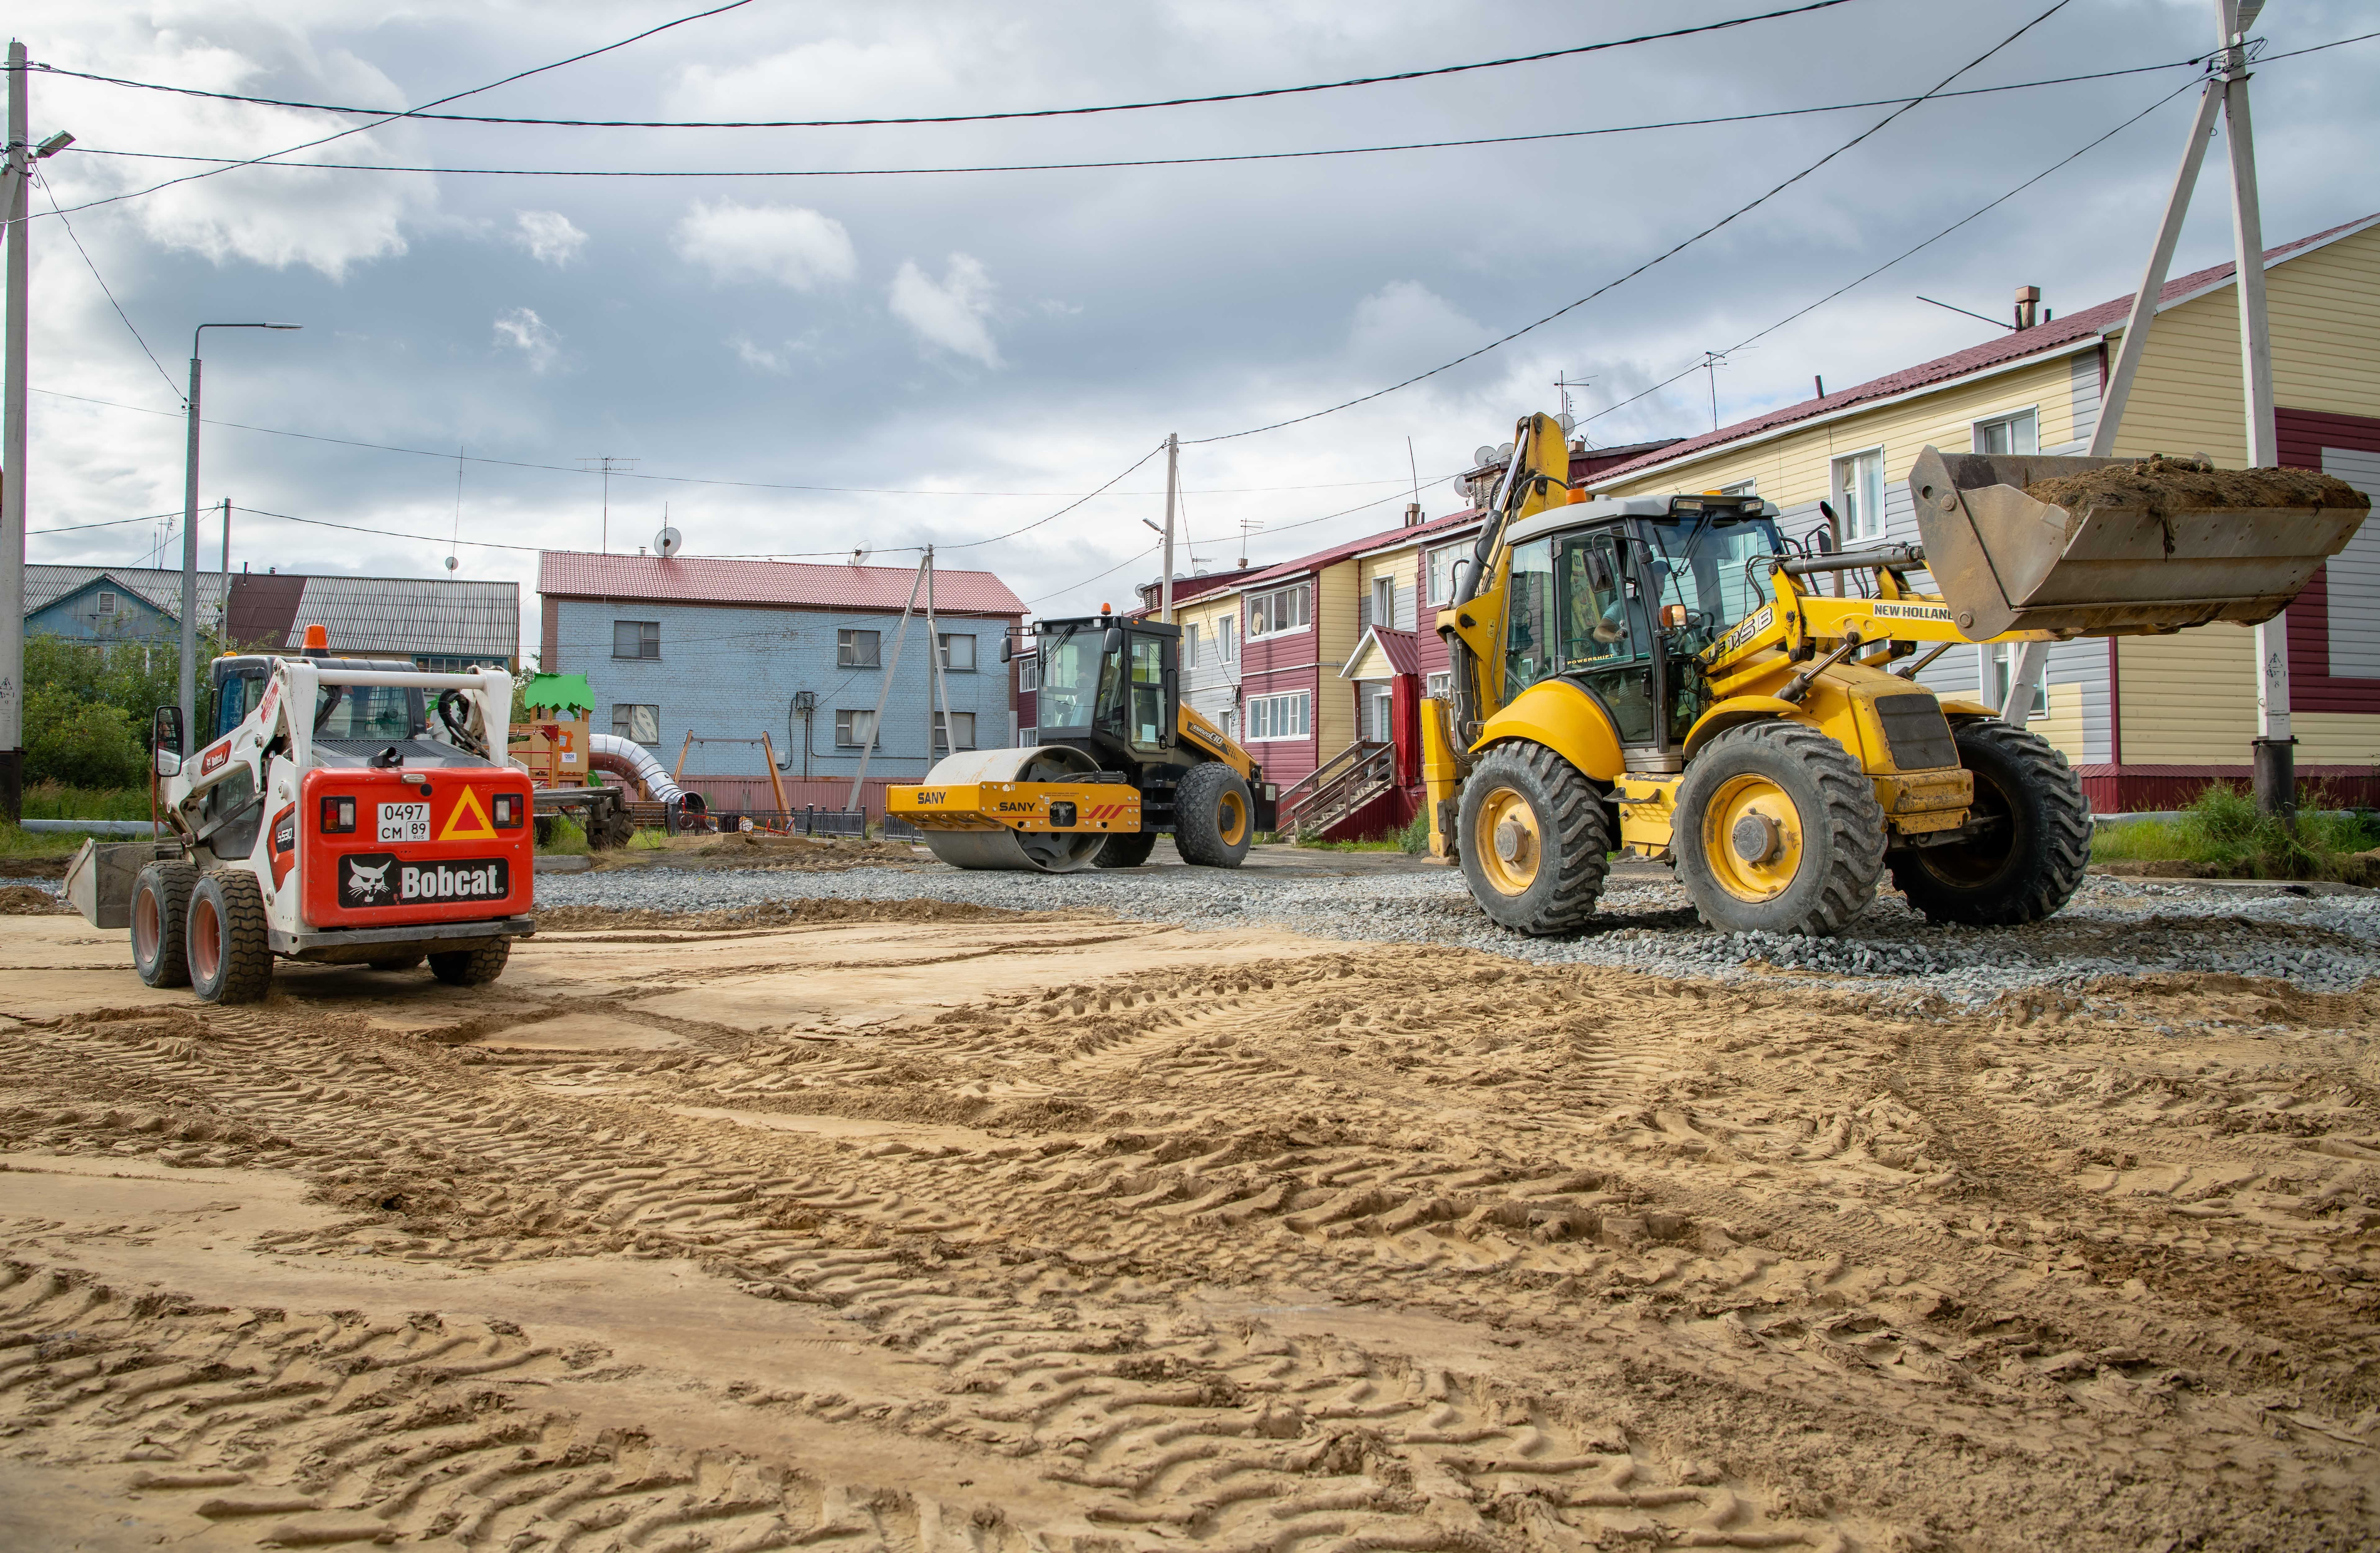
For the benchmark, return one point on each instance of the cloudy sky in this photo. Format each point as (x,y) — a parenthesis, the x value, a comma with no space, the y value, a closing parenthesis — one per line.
(804,365)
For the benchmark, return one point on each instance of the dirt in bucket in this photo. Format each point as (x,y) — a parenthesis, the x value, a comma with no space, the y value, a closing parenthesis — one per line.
(2163,484)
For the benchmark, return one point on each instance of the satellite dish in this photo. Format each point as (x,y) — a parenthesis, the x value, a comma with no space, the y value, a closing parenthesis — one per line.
(1504,453)
(1568,422)
(450,563)
(666,542)
(1483,453)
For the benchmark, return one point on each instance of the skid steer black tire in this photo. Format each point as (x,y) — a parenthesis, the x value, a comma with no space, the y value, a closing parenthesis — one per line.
(161,916)
(2030,858)
(404,959)
(544,829)
(230,941)
(1213,817)
(475,966)
(1832,833)
(1544,876)
(620,829)
(1126,849)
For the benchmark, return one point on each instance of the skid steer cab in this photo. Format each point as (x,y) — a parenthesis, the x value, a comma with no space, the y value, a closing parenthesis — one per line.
(1122,761)
(1674,677)
(346,811)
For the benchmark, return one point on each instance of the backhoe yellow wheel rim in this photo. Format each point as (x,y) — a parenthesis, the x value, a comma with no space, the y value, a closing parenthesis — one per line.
(1507,842)
(1752,838)
(1232,820)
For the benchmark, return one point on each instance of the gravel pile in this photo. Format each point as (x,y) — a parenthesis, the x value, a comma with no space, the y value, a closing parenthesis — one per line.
(2325,943)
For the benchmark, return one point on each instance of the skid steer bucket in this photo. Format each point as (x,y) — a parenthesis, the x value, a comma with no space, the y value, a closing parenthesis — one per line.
(2109,547)
(1046,809)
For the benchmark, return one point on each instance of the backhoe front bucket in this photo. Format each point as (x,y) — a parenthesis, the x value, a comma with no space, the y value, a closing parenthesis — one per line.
(2121,546)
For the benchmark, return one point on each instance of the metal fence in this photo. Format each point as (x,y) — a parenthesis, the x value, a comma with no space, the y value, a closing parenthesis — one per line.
(899,830)
(852,823)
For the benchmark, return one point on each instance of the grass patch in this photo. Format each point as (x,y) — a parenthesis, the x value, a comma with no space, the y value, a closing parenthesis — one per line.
(569,839)
(1413,839)
(54,800)
(2222,833)
(647,841)
(17,842)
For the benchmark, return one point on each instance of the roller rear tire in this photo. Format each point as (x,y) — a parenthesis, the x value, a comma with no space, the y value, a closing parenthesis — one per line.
(229,942)
(475,966)
(161,912)
(1214,820)
(2028,858)
(1534,839)
(1778,831)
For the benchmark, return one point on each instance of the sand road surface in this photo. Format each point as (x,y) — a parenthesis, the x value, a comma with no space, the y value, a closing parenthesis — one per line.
(937,1229)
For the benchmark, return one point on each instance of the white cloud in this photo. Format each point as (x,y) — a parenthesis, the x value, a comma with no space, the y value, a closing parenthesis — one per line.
(1405,322)
(951,315)
(760,356)
(531,335)
(788,244)
(834,77)
(550,236)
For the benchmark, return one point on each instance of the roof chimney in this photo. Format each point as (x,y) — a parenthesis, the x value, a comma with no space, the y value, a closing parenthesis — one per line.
(1413,515)
(2028,305)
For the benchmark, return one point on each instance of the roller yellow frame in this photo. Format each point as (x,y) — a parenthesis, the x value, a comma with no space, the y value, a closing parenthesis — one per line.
(1073,806)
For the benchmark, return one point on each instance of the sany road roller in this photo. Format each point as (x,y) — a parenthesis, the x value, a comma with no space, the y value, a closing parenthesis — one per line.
(1121,761)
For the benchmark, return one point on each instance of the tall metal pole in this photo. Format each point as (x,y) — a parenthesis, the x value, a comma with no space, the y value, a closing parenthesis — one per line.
(937,672)
(12,448)
(189,687)
(884,690)
(2136,326)
(1173,483)
(2275,754)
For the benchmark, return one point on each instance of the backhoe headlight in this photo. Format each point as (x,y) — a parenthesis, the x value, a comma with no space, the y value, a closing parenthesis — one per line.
(506,811)
(338,817)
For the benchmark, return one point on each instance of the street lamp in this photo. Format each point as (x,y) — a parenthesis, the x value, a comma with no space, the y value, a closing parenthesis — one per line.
(191,740)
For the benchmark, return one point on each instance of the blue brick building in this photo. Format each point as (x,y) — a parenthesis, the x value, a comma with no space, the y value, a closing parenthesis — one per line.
(726,649)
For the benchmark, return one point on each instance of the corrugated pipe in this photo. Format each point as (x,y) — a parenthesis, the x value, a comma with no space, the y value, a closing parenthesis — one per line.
(626,758)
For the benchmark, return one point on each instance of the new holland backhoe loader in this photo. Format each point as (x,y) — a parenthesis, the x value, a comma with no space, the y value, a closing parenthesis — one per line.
(1666,676)
(1121,760)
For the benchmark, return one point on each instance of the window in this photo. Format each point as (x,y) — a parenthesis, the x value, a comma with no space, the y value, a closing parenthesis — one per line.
(1384,602)
(1232,726)
(1280,717)
(853,729)
(1382,728)
(1227,639)
(2017,432)
(637,724)
(958,654)
(1441,565)
(1439,686)
(635,638)
(106,604)
(1189,647)
(1999,663)
(1740,488)
(1529,617)
(1284,609)
(1028,673)
(961,723)
(1146,712)
(1859,495)
(858,649)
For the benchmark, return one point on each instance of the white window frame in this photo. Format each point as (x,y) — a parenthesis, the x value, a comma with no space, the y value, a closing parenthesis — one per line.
(852,725)
(1231,724)
(846,647)
(2006,418)
(961,723)
(1871,528)
(1742,488)
(1287,714)
(1190,645)
(949,639)
(106,602)
(1028,673)
(1998,660)
(649,641)
(1384,585)
(1227,639)
(1302,591)
(1438,685)
(1432,580)
(625,727)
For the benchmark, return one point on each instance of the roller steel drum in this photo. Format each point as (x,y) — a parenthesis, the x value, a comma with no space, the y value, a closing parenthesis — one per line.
(1048,852)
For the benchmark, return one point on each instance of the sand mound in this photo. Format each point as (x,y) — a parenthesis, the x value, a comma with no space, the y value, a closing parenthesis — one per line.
(23,900)
(2163,485)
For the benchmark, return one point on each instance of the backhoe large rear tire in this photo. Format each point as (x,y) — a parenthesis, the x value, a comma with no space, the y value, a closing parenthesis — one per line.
(2027,855)
(1213,818)
(1778,831)
(1534,839)
(161,916)
(230,941)
(1125,849)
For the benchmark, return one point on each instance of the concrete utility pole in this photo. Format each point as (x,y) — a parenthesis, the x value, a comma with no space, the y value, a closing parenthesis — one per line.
(1173,483)
(223,604)
(189,687)
(12,448)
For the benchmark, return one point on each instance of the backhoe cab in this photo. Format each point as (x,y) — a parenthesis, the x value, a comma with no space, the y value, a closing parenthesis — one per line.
(1664,676)
(1121,760)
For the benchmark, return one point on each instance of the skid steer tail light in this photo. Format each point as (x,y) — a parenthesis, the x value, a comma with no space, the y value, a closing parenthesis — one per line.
(506,811)
(338,817)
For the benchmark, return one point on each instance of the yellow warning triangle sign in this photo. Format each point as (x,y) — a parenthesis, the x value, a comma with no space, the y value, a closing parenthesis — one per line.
(468,809)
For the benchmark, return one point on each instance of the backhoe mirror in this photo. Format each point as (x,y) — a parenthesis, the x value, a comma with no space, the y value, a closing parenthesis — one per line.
(1113,640)
(165,740)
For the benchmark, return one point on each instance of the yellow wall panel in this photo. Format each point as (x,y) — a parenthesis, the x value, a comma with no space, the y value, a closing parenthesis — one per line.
(2062,725)
(2188,700)
(2335,738)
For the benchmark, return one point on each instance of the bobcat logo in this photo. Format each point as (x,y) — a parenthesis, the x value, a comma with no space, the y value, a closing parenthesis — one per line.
(364,882)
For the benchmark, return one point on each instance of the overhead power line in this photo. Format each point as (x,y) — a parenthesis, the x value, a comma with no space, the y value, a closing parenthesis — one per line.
(1681,247)
(385,117)
(106,291)
(1426,74)
(1135,163)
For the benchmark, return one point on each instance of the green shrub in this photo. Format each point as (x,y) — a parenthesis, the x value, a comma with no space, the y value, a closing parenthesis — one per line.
(1415,838)
(2222,830)
(51,800)
(569,839)
(70,740)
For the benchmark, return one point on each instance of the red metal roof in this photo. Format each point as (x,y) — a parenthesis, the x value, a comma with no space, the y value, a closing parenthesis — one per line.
(2067,331)
(1337,553)
(783,584)
(1400,647)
